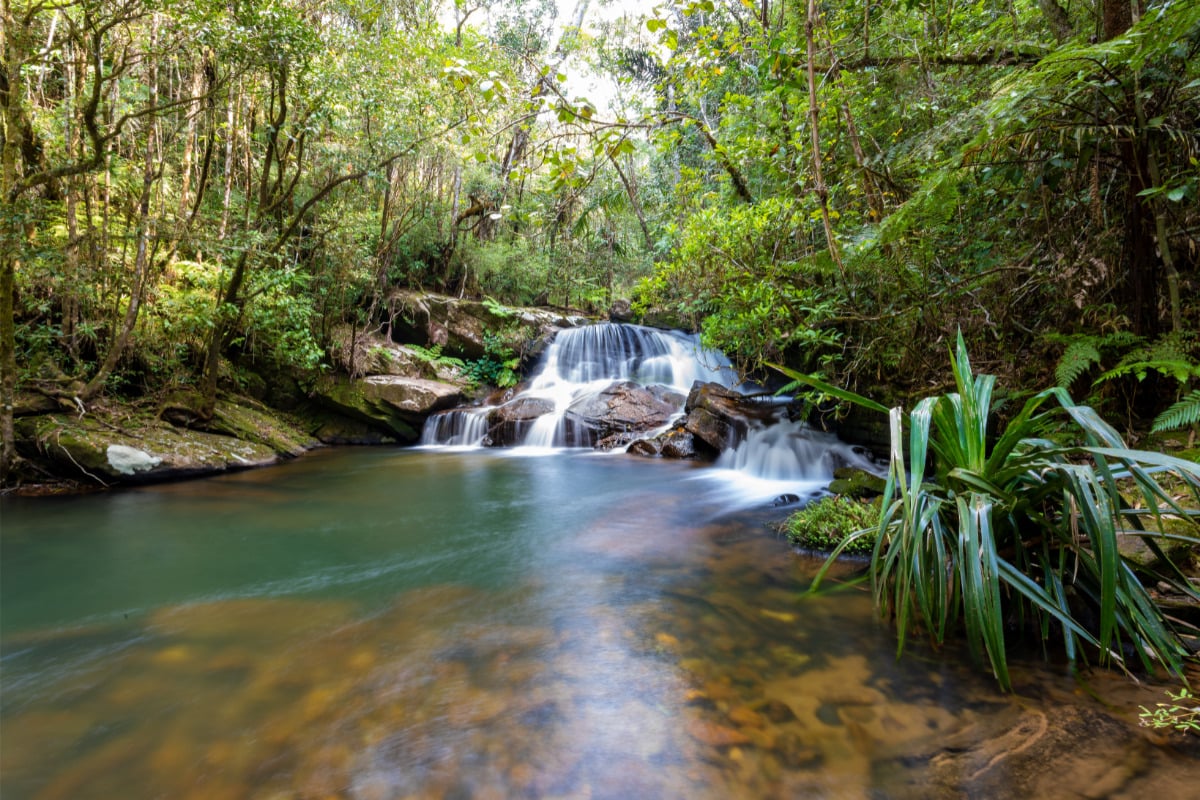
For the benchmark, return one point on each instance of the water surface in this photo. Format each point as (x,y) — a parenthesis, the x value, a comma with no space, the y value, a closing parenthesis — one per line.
(392,624)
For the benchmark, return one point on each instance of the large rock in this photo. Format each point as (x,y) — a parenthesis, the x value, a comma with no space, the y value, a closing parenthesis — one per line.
(391,403)
(719,417)
(508,424)
(371,353)
(675,443)
(144,450)
(624,407)
(458,325)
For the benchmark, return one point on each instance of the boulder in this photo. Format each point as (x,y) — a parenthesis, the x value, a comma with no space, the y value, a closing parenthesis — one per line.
(624,407)
(392,403)
(139,450)
(675,443)
(856,483)
(459,325)
(667,320)
(508,424)
(719,417)
(360,353)
(255,423)
(621,311)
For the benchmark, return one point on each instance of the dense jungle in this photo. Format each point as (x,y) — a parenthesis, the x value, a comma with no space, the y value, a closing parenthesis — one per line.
(197,195)
(885,310)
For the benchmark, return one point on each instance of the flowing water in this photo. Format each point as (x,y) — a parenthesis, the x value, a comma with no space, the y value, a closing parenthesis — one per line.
(484,624)
(585,360)
(380,623)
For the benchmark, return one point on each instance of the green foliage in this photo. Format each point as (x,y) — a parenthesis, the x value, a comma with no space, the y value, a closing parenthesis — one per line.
(1016,530)
(433,355)
(498,365)
(1181,714)
(759,289)
(1183,413)
(826,523)
(1171,355)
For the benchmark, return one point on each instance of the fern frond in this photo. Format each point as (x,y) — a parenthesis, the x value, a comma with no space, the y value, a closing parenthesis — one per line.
(1077,359)
(1179,370)
(1180,415)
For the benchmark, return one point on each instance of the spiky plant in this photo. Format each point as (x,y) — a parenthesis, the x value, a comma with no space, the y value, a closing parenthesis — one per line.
(1020,531)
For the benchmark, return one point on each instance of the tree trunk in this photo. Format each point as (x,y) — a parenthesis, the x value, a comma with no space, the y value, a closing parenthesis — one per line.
(11,232)
(1057,19)
(145,229)
(814,114)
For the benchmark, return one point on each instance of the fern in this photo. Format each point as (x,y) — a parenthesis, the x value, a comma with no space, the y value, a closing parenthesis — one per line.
(1180,415)
(433,355)
(1085,351)
(1179,370)
(1080,356)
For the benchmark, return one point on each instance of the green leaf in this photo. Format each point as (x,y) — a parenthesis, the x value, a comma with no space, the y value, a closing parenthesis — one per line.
(829,389)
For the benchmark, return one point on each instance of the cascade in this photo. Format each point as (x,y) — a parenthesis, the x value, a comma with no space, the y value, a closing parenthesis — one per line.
(786,458)
(461,427)
(582,364)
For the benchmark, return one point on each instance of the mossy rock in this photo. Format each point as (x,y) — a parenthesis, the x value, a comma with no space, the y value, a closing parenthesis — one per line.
(259,425)
(134,450)
(396,405)
(823,524)
(856,483)
(1135,549)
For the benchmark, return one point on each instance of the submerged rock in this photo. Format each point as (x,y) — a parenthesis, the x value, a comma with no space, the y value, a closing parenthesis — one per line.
(675,443)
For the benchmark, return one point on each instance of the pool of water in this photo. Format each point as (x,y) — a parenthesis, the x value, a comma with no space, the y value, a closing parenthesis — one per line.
(393,624)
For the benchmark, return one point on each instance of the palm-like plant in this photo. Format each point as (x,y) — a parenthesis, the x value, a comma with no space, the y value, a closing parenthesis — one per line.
(1021,530)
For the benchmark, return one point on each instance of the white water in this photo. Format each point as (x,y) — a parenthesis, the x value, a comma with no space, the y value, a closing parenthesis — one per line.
(587,360)
(784,458)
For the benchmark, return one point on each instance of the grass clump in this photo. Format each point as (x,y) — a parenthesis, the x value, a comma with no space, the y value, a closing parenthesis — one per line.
(826,523)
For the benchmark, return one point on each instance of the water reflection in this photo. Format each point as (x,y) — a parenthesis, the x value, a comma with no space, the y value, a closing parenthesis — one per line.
(618,642)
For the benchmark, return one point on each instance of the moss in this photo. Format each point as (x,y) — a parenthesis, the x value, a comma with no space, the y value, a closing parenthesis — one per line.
(258,425)
(857,483)
(824,524)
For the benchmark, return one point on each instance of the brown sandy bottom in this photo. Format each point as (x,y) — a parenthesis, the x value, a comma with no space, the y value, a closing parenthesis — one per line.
(725,684)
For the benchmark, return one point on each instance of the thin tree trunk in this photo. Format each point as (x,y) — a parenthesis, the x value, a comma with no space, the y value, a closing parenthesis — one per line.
(189,141)
(11,233)
(821,189)
(633,200)
(229,170)
(145,229)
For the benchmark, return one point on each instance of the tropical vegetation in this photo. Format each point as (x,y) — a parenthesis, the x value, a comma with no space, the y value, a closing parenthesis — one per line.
(196,190)
(202,195)
(990,530)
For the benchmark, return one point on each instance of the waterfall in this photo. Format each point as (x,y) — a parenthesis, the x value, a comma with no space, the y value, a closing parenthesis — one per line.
(582,362)
(462,427)
(583,367)
(785,458)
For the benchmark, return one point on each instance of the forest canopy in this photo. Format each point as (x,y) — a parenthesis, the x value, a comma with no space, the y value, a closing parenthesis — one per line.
(196,188)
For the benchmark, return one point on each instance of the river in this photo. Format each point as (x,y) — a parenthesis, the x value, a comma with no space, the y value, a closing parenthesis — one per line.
(388,623)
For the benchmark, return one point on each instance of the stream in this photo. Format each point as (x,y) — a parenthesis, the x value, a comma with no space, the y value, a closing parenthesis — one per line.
(537,621)
(389,624)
